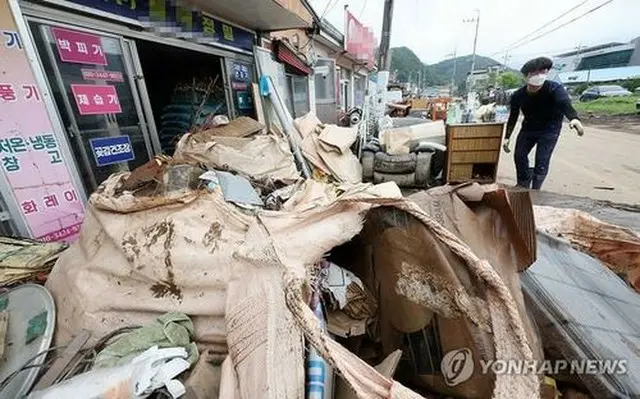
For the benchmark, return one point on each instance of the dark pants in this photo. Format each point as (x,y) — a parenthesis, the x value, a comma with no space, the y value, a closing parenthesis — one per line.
(544,142)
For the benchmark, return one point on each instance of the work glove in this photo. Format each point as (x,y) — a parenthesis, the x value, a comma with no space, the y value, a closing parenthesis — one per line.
(577,126)
(506,145)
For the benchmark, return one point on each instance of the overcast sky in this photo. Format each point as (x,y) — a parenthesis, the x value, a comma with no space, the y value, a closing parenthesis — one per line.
(434,28)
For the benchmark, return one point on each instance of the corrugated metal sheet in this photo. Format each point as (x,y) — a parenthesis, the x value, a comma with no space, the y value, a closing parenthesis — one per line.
(599,75)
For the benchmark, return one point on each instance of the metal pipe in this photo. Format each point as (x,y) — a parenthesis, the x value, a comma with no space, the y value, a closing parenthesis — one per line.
(287,124)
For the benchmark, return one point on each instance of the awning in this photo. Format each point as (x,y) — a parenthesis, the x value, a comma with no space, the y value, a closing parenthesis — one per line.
(285,55)
(262,15)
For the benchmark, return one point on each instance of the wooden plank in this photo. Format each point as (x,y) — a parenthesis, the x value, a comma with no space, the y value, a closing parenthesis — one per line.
(63,361)
(476,144)
(476,131)
(4,321)
(257,101)
(447,163)
(475,157)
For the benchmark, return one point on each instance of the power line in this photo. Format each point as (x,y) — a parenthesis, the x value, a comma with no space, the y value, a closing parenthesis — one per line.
(328,9)
(559,27)
(565,24)
(364,5)
(548,23)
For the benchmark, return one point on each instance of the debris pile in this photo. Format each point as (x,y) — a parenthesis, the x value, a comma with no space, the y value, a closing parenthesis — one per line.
(23,260)
(256,263)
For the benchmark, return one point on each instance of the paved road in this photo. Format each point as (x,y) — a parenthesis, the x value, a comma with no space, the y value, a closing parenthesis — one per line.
(601,158)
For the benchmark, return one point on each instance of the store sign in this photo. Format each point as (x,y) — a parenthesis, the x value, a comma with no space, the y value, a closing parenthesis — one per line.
(30,156)
(240,72)
(170,16)
(96,99)
(79,47)
(94,74)
(110,150)
(359,40)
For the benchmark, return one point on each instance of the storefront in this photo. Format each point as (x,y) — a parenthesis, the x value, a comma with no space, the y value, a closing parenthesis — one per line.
(342,65)
(115,84)
(296,72)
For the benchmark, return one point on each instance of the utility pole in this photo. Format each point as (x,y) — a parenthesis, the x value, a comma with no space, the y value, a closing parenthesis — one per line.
(475,40)
(453,75)
(578,55)
(506,59)
(384,58)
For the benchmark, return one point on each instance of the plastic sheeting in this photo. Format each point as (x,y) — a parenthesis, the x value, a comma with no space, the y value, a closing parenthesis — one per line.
(585,311)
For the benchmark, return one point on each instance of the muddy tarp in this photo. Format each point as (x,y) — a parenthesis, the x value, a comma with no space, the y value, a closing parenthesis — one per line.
(259,156)
(429,296)
(616,246)
(242,278)
(585,312)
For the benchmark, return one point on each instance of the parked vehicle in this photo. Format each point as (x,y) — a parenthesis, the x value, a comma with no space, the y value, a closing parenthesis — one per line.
(596,92)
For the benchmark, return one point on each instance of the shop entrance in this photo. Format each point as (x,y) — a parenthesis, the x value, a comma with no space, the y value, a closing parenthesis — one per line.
(91,76)
(184,88)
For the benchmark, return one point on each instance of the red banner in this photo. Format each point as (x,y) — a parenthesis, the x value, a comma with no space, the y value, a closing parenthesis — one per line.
(96,99)
(79,47)
(359,40)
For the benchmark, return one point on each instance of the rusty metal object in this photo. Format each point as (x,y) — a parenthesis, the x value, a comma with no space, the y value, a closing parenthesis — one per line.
(147,173)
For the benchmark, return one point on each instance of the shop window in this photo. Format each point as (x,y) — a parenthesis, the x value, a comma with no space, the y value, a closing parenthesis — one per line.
(300,95)
(325,82)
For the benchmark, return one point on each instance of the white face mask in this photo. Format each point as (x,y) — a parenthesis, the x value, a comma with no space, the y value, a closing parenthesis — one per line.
(537,80)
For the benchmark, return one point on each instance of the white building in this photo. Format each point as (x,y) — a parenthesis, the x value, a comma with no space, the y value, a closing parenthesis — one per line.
(610,61)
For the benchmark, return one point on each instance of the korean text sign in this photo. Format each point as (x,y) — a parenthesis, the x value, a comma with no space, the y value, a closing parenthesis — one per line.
(110,150)
(79,47)
(30,154)
(96,99)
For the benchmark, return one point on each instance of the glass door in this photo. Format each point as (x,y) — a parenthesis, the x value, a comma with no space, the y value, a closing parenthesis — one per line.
(92,79)
(326,92)
(239,77)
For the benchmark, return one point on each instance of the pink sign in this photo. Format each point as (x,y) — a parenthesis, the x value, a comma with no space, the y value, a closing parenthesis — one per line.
(79,47)
(355,37)
(359,40)
(30,155)
(96,99)
(94,74)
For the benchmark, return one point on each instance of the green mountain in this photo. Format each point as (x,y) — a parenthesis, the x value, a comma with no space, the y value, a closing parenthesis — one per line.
(463,67)
(406,63)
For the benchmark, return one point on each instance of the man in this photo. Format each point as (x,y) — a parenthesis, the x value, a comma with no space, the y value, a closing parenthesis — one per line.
(544,103)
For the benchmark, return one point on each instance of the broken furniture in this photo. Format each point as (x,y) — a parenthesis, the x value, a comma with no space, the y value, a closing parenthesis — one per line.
(473,152)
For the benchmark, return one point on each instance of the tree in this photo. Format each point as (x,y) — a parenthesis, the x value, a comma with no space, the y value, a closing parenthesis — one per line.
(492,79)
(631,84)
(510,80)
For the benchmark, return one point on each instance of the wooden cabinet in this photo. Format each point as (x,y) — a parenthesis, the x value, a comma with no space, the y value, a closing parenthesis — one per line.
(473,152)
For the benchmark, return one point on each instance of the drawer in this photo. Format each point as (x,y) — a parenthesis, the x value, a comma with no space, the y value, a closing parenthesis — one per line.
(471,132)
(460,172)
(492,144)
(475,157)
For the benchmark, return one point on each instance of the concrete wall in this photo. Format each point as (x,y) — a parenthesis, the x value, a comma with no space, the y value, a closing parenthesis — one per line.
(297,8)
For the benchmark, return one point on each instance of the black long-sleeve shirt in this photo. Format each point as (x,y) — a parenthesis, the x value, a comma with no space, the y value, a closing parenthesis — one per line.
(543,110)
